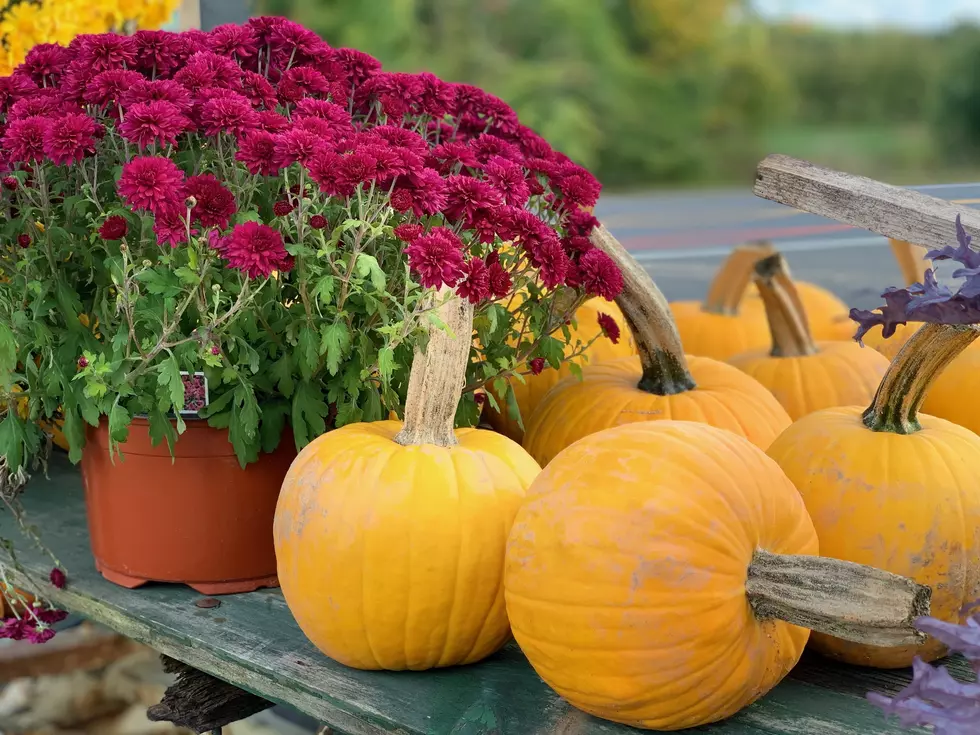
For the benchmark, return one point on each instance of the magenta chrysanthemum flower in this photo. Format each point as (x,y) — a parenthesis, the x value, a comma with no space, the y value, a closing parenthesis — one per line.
(13,88)
(159,52)
(422,192)
(579,222)
(599,275)
(71,138)
(114,228)
(272,122)
(107,51)
(354,169)
(467,199)
(296,145)
(109,87)
(550,259)
(299,82)
(408,232)
(437,97)
(57,578)
(291,39)
(164,90)
(152,184)
(323,109)
(24,140)
(45,63)
(357,65)
(255,249)
(437,258)
(170,227)
(475,286)
(450,158)
(319,127)
(508,178)
(578,187)
(259,91)
(397,93)
(257,151)
(609,327)
(233,115)
(237,41)
(486,147)
(318,222)
(215,204)
(477,104)
(157,122)
(208,69)
(399,137)
(44,102)
(500,280)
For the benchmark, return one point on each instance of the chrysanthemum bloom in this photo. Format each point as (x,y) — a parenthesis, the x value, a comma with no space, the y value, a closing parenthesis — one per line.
(45,63)
(325,110)
(114,228)
(170,227)
(609,327)
(550,259)
(408,231)
(475,286)
(208,69)
(500,280)
(13,88)
(107,51)
(228,114)
(282,208)
(467,198)
(57,578)
(24,140)
(71,138)
(257,151)
(42,102)
(578,188)
(299,82)
(215,204)
(109,87)
(295,145)
(255,249)
(24,240)
(508,178)
(258,90)
(318,222)
(159,52)
(487,147)
(237,41)
(437,258)
(599,275)
(272,122)
(357,65)
(10,183)
(422,192)
(152,184)
(166,90)
(537,365)
(157,122)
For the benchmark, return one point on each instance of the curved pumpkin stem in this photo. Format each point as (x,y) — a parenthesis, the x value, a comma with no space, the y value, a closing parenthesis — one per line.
(839,598)
(911,260)
(920,361)
(728,287)
(648,317)
(438,375)
(784,309)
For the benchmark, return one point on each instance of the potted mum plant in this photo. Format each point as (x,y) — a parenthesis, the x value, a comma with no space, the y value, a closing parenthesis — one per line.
(219,245)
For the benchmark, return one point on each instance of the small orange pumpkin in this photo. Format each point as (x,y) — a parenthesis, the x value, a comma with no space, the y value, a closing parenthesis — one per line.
(805,375)
(390,536)
(725,323)
(528,391)
(893,488)
(662,383)
(658,575)
(913,264)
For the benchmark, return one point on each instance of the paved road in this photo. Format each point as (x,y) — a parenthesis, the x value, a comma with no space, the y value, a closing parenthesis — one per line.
(681,238)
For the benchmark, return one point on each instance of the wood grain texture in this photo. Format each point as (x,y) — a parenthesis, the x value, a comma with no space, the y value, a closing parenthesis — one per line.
(892,211)
(251,641)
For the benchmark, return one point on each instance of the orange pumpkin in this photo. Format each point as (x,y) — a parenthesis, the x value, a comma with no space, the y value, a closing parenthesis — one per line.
(652,571)
(805,375)
(528,391)
(893,488)
(725,323)
(662,383)
(913,264)
(390,536)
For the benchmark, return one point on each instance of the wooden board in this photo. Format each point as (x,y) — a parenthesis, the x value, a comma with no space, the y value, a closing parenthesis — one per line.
(252,641)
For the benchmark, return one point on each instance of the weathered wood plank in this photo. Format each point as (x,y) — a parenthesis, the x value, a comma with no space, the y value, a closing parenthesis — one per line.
(251,641)
(892,211)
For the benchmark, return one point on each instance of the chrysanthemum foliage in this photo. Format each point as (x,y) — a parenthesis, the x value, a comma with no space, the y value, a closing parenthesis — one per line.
(255,205)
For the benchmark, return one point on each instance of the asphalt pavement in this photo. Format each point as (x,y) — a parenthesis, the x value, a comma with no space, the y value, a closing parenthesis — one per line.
(682,237)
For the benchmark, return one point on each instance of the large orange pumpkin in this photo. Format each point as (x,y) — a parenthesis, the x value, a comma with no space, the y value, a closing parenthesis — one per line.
(893,488)
(725,323)
(662,383)
(652,572)
(805,375)
(528,391)
(913,264)
(390,537)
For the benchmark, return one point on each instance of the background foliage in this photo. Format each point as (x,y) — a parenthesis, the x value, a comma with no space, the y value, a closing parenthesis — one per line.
(649,92)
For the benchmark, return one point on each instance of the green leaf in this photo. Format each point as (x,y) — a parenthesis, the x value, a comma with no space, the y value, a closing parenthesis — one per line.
(386,363)
(282,373)
(367,266)
(158,283)
(334,343)
(8,355)
(308,355)
(513,410)
(188,276)
(244,427)
(161,428)
(309,413)
(90,412)
(12,441)
(119,420)
(324,290)
(74,432)
(372,409)
(169,377)
(552,350)
(575,369)
(272,424)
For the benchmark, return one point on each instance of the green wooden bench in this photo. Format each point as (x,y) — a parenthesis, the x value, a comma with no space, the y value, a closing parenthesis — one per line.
(251,642)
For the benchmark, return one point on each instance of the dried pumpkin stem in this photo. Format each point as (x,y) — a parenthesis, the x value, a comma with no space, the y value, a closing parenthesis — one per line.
(905,384)
(650,322)
(438,375)
(784,309)
(728,287)
(911,260)
(839,598)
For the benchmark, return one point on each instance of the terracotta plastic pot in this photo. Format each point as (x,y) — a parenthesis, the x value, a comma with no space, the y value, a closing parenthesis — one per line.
(198,519)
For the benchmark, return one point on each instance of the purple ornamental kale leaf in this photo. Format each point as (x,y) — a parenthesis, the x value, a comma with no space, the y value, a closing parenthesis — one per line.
(935,698)
(930,301)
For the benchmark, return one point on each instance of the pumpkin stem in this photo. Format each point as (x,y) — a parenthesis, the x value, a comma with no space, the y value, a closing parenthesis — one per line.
(438,375)
(839,598)
(788,324)
(733,278)
(911,260)
(905,384)
(648,317)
